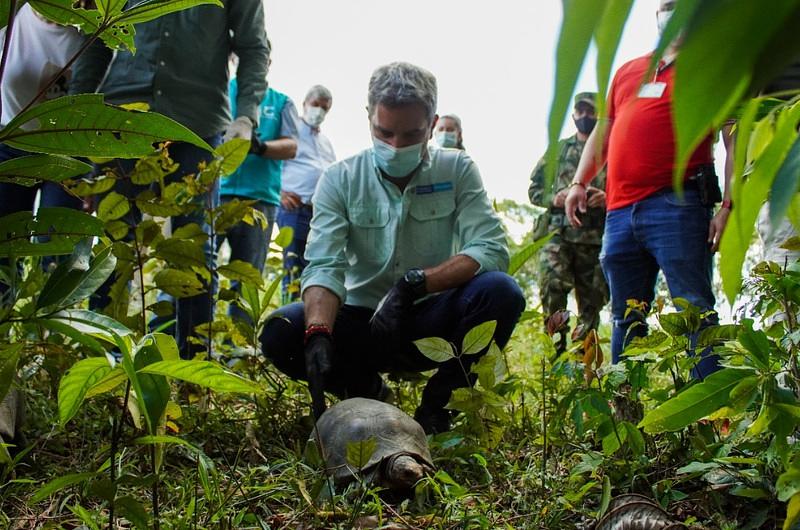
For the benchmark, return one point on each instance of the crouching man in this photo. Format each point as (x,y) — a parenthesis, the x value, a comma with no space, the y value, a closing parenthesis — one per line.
(403,244)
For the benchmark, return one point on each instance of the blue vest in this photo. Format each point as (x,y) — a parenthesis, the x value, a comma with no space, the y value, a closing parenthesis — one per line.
(259,178)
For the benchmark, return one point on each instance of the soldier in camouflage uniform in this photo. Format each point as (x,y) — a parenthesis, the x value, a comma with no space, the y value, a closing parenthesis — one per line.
(570,260)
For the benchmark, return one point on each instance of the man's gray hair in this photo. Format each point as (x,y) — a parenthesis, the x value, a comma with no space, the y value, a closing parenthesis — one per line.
(399,84)
(318,92)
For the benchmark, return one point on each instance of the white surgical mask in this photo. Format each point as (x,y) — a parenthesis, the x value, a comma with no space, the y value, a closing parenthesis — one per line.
(315,116)
(662,18)
(394,161)
(446,139)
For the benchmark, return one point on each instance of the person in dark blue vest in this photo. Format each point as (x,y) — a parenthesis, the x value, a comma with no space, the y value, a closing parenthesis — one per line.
(259,179)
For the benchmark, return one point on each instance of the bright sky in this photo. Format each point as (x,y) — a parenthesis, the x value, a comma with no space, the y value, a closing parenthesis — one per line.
(494,62)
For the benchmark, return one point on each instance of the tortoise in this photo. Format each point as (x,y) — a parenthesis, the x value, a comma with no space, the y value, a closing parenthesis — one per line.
(400,457)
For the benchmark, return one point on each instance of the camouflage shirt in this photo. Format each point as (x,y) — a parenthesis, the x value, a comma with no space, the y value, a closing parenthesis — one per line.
(569,150)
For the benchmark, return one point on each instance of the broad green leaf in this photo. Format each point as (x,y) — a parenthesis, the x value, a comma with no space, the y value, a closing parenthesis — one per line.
(359,452)
(785,185)
(76,382)
(634,438)
(163,439)
(749,195)
(61,228)
(605,498)
(93,323)
(29,170)
(478,337)
(58,484)
(694,403)
(154,391)
(792,513)
(113,206)
(133,511)
(110,8)
(67,275)
(744,393)
(232,153)
(241,271)
(72,285)
(788,484)
(607,36)
(109,382)
(182,253)
(435,348)
(581,17)
(83,125)
(707,92)
(9,356)
(523,255)
(204,373)
(152,9)
(179,284)
(59,326)
(284,237)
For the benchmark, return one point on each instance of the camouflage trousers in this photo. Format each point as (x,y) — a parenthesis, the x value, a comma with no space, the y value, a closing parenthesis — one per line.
(565,266)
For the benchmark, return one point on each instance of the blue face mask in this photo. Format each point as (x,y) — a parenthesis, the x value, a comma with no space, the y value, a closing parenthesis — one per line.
(396,162)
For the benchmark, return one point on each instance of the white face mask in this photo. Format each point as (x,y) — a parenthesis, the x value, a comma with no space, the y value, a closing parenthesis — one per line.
(446,139)
(314,116)
(662,19)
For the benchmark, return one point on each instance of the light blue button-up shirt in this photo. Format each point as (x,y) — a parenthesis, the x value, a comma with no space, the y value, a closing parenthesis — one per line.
(314,154)
(365,233)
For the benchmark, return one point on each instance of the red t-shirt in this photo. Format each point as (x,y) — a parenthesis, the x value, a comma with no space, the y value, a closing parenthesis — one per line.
(641,145)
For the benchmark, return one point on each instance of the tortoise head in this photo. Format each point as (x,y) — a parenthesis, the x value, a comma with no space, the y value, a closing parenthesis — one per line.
(401,471)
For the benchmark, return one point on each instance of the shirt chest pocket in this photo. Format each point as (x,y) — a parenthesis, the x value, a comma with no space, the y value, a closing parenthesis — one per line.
(431,224)
(369,235)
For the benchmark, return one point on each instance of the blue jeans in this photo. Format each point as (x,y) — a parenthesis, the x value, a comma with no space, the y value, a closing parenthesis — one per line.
(659,232)
(358,357)
(192,310)
(294,261)
(248,243)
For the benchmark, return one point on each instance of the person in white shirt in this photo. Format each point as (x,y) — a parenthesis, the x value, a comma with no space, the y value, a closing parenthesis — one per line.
(298,181)
(37,52)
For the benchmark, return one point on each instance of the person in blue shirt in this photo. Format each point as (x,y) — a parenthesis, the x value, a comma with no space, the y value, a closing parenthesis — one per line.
(403,245)
(259,178)
(298,181)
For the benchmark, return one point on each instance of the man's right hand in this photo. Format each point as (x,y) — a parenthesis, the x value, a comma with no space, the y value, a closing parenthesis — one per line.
(318,355)
(576,201)
(290,200)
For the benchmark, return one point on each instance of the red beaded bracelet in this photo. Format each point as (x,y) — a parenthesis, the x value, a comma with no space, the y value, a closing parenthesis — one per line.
(316,329)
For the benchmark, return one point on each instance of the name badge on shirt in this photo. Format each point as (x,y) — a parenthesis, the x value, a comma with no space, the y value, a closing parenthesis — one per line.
(433,188)
(652,90)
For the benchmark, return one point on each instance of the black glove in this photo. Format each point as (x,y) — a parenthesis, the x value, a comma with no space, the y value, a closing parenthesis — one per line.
(393,316)
(257,147)
(318,354)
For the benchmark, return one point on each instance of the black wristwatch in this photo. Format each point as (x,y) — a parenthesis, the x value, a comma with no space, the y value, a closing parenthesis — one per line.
(416,279)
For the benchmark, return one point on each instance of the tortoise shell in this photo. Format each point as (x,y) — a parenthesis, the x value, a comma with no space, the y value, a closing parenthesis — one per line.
(357,420)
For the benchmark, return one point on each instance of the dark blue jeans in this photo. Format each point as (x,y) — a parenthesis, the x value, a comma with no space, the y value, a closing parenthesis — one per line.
(359,357)
(660,232)
(294,261)
(192,310)
(248,243)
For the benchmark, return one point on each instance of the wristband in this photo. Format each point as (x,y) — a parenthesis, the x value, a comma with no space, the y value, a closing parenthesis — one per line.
(576,183)
(316,329)
(727,203)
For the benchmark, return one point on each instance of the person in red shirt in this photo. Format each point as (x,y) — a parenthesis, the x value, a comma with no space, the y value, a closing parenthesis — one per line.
(649,227)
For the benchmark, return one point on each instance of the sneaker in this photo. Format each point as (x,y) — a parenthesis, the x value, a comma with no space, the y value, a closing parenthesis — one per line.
(433,421)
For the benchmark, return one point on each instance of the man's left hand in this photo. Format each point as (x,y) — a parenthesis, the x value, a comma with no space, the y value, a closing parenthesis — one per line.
(241,127)
(716,227)
(597,198)
(391,318)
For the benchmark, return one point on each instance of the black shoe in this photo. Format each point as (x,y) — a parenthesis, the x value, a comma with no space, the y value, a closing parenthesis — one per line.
(433,421)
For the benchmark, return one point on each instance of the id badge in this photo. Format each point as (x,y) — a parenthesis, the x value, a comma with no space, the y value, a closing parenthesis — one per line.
(652,90)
